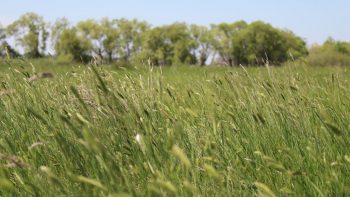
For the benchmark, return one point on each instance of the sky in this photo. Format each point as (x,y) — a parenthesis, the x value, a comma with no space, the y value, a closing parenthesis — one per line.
(313,20)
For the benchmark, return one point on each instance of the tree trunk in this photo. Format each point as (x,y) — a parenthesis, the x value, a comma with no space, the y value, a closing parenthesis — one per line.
(110,58)
(203,60)
(230,62)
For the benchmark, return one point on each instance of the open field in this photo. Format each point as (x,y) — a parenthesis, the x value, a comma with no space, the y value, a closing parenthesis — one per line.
(175,131)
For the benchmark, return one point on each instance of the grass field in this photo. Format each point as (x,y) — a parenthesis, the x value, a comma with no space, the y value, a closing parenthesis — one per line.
(176,131)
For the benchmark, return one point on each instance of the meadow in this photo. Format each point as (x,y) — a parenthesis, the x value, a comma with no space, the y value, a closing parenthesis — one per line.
(173,131)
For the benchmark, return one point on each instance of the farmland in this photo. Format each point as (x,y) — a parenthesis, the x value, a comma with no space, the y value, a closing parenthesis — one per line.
(173,131)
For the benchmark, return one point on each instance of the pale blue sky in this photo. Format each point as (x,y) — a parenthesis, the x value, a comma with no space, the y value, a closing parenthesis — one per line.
(314,20)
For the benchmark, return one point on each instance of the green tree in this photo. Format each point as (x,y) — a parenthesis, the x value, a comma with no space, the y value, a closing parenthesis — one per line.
(7,50)
(130,33)
(111,41)
(103,36)
(337,46)
(296,46)
(2,38)
(331,53)
(2,33)
(259,43)
(203,38)
(67,44)
(171,44)
(224,41)
(30,32)
(155,47)
(72,46)
(183,45)
(91,31)
(57,28)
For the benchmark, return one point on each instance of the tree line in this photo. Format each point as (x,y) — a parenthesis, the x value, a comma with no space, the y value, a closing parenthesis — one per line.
(133,41)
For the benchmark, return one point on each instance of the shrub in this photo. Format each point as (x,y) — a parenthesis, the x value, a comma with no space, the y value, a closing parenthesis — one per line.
(331,53)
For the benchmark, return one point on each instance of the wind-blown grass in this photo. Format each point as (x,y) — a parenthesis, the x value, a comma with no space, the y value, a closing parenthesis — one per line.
(175,132)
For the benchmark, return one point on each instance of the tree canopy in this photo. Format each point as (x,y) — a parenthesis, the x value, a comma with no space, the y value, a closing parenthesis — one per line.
(132,41)
(30,31)
(331,53)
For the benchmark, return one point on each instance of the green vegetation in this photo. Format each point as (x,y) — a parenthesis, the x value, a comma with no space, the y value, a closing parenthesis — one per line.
(128,42)
(257,43)
(133,42)
(121,108)
(331,53)
(31,33)
(173,131)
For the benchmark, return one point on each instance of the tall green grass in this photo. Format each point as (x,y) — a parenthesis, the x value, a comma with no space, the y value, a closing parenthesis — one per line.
(178,131)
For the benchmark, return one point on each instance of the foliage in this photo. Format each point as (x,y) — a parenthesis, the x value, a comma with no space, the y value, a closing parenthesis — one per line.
(331,53)
(90,31)
(57,28)
(111,40)
(296,46)
(30,31)
(2,33)
(223,42)
(72,45)
(263,44)
(156,50)
(170,44)
(257,43)
(107,39)
(132,42)
(2,42)
(7,51)
(202,38)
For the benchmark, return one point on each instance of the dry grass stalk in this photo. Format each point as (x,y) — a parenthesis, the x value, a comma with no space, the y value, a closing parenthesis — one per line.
(13,161)
(7,92)
(43,75)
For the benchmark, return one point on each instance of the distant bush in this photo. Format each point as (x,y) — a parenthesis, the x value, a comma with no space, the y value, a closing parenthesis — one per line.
(65,59)
(331,53)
